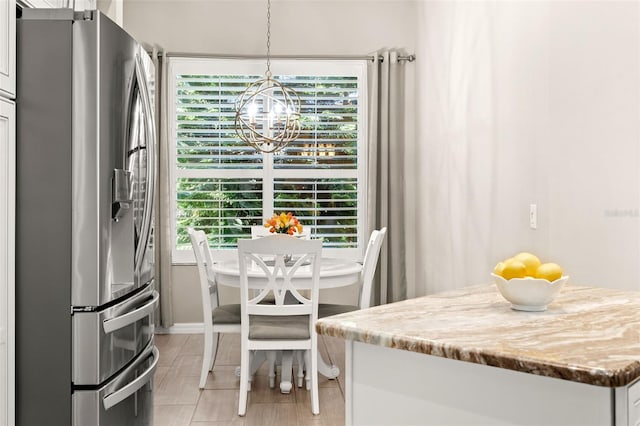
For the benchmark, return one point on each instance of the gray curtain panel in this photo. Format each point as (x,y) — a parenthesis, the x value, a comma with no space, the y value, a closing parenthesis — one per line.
(162,234)
(385,172)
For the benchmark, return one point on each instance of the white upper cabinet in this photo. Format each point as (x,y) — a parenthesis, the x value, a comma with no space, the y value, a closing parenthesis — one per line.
(8,48)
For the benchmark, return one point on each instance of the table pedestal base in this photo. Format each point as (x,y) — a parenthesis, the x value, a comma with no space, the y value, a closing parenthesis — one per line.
(259,357)
(329,371)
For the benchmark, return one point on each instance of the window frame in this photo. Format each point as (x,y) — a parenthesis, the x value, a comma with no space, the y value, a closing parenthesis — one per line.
(299,67)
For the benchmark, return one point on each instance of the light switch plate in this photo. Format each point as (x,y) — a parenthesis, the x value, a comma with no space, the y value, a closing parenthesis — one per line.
(533,216)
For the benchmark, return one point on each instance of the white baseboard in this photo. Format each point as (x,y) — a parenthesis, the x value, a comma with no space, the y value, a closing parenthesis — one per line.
(182,328)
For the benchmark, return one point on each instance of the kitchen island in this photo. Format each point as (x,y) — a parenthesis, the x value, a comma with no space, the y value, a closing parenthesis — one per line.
(466,358)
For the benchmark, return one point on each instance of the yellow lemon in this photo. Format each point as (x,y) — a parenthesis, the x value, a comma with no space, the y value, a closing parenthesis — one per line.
(498,268)
(549,271)
(513,268)
(531,262)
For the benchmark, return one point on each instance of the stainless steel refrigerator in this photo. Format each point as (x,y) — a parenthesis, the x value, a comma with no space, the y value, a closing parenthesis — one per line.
(85,296)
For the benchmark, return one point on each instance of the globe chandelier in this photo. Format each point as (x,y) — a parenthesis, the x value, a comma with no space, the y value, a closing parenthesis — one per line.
(268,113)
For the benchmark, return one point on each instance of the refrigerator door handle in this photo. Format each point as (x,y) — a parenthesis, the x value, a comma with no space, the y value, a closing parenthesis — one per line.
(123,393)
(150,147)
(120,321)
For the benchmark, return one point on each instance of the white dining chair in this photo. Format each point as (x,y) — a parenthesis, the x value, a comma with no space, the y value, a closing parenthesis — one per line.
(258,231)
(279,326)
(217,318)
(369,264)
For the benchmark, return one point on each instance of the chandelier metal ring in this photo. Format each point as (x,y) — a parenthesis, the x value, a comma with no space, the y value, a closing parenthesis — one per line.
(267,115)
(267,112)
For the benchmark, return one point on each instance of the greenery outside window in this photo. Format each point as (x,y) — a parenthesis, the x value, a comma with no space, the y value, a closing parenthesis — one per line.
(223,186)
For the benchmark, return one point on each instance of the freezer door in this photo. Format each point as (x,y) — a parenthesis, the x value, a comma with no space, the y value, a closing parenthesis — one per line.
(126,400)
(107,340)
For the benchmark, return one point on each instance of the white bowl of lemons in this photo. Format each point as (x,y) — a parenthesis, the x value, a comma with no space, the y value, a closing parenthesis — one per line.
(527,283)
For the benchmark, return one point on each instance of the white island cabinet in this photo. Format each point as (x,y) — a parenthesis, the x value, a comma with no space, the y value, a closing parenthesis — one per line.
(466,358)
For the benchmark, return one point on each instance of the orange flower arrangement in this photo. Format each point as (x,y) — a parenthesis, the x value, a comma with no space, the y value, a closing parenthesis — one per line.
(284,223)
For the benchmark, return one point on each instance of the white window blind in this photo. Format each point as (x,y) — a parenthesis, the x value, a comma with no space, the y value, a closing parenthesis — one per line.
(223,186)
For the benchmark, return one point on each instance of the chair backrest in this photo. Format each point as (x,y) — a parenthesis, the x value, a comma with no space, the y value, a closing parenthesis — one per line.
(369,264)
(268,254)
(208,287)
(258,231)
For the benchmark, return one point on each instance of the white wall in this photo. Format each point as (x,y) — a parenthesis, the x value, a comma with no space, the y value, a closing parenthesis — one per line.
(518,102)
(306,27)
(111,8)
(529,102)
(298,27)
(597,90)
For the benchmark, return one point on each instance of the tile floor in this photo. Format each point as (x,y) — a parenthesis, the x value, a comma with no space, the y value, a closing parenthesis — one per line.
(179,402)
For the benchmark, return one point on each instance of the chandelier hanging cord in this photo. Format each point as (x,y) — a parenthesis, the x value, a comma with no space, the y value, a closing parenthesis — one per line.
(268,72)
(268,113)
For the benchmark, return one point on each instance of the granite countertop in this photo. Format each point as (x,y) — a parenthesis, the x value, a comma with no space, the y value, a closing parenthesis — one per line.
(588,334)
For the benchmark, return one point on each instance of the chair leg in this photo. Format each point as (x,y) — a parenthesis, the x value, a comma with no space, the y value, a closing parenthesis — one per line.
(300,361)
(307,361)
(315,400)
(257,359)
(214,350)
(271,361)
(210,347)
(244,380)
(252,361)
(286,369)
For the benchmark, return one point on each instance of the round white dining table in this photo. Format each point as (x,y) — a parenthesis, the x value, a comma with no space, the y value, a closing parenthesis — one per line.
(334,272)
